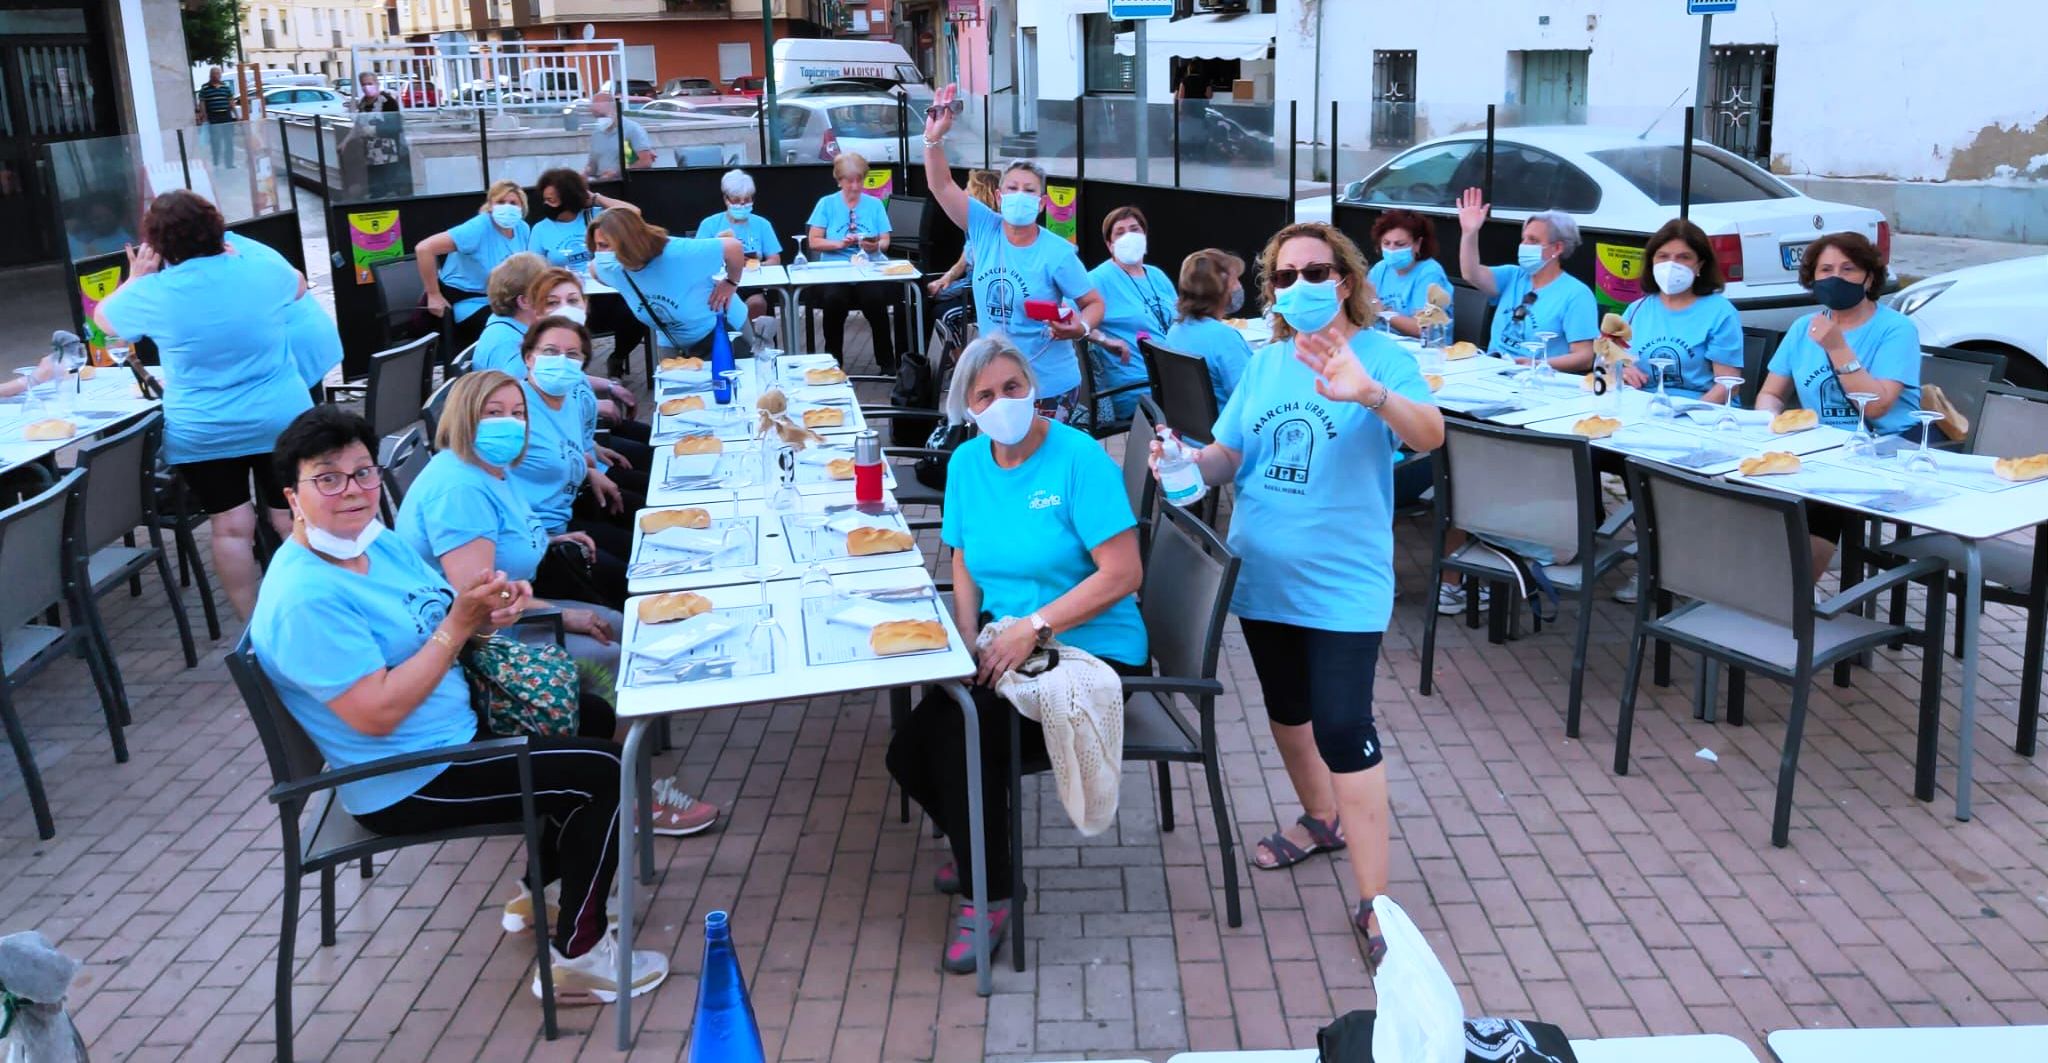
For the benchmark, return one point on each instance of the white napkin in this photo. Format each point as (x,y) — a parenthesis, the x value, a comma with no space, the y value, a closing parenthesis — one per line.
(822,455)
(708,418)
(845,523)
(680,638)
(680,465)
(818,392)
(1951,461)
(866,614)
(1713,416)
(685,376)
(693,540)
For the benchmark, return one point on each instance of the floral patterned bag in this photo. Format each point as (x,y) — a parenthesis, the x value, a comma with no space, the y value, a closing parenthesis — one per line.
(522,689)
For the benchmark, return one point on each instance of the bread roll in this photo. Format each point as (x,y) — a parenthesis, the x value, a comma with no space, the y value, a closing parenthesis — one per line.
(86,372)
(682,362)
(1770,463)
(839,469)
(907,636)
(676,605)
(683,405)
(861,542)
(655,520)
(829,374)
(772,401)
(1460,350)
(2021,470)
(54,428)
(898,268)
(1794,421)
(1435,382)
(699,445)
(1596,426)
(753,263)
(824,417)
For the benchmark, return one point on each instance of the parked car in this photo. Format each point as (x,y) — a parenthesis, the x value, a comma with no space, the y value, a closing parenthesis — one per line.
(641,87)
(411,92)
(1995,307)
(749,86)
(346,86)
(304,101)
(711,106)
(818,128)
(482,95)
(1619,181)
(690,87)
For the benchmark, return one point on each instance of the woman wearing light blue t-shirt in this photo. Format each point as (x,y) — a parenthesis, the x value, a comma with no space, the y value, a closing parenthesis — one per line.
(846,223)
(562,236)
(360,637)
(1309,439)
(1210,290)
(680,288)
(1044,545)
(1684,318)
(456,265)
(738,221)
(561,476)
(1138,301)
(1407,267)
(1535,295)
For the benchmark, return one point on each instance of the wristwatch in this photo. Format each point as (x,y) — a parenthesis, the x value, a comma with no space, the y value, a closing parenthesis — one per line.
(1854,366)
(1042,627)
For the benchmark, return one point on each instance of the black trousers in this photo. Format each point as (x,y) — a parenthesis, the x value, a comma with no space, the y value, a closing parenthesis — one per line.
(873,302)
(928,758)
(576,793)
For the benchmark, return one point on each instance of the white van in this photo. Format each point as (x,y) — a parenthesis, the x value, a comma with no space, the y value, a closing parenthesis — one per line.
(800,63)
(551,83)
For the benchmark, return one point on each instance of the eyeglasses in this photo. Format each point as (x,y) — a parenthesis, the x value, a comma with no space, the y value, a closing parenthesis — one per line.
(1316,274)
(550,350)
(366,478)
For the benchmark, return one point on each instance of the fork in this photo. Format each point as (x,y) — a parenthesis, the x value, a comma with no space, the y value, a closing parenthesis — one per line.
(687,671)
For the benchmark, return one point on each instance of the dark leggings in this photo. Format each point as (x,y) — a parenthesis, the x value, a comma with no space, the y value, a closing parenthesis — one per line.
(928,757)
(873,302)
(576,794)
(1323,678)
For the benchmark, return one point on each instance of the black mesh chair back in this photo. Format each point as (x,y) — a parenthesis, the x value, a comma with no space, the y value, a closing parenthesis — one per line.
(1187,395)
(462,363)
(287,748)
(2013,423)
(436,404)
(1963,376)
(1471,318)
(400,299)
(1139,486)
(1516,484)
(1189,577)
(1725,543)
(398,385)
(1758,344)
(120,494)
(32,541)
(403,456)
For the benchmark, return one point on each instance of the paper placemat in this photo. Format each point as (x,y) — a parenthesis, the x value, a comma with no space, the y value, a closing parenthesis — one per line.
(831,540)
(826,642)
(651,561)
(733,644)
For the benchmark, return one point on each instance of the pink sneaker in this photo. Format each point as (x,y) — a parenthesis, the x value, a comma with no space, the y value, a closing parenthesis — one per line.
(960,951)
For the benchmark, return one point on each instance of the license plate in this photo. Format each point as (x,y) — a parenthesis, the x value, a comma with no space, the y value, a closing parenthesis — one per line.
(1792,253)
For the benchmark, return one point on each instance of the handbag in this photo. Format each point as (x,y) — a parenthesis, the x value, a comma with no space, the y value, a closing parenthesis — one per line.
(931,470)
(521,689)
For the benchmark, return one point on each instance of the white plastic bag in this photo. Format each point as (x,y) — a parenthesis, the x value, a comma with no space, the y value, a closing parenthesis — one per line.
(1419,1017)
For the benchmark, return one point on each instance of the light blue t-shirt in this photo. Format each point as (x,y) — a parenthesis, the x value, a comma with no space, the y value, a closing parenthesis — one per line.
(1888,346)
(315,341)
(497,347)
(454,503)
(557,445)
(1218,344)
(1694,339)
(1315,491)
(1026,533)
(222,327)
(1005,276)
(564,243)
(479,247)
(1564,306)
(319,629)
(1405,293)
(755,234)
(1130,306)
(677,285)
(869,218)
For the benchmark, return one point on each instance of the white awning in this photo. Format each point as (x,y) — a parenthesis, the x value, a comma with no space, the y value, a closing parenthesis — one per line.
(1205,37)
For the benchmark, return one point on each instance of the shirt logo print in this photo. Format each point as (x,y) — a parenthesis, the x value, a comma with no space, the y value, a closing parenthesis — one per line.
(1294,445)
(1042,499)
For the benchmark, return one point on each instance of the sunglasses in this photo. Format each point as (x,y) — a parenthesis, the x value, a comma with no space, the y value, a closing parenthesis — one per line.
(1522,312)
(937,109)
(1316,274)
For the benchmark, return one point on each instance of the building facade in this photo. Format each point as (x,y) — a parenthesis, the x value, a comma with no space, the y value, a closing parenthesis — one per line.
(310,36)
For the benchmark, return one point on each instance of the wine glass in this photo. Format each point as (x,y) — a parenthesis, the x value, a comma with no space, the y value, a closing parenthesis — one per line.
(785,496)
(799,261)
(764,645)
(818,584)
(1387,316)
(71,355)
(34,403)
(1660,403)
(810,522)
(765,361)
(1731,387)
(1865,441)
(733,534)
(732,394)
(1548,339)
(1922,460)
(761,574)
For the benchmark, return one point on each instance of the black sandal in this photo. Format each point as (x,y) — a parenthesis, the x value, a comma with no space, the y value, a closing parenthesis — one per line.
(1286,854)
(1375,945)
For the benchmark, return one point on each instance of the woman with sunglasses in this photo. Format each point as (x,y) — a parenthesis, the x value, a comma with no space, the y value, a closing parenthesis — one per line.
(1309,438)
(1535,295)
(559,475)
(360,637)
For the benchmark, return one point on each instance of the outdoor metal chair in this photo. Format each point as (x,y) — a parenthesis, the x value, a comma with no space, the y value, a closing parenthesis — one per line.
(41,569)
(120,496)
(436,403)
(403,455)
(1512,485)
(1139,487)
(1742,559)
(1185,394)
(320,836)
(1963,376)
(1087,417)
(398,385)
(462,363)
(1185,601)
(401,302)
(1471,317)
(176,513)
(1758,345)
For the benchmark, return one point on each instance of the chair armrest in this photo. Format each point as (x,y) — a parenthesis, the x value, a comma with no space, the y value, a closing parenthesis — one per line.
(1841,603)
(328,780)
(916,452)
(1171,684)
(1121,388)
(1616,520)
(869,378)
(548,617)
(901,413)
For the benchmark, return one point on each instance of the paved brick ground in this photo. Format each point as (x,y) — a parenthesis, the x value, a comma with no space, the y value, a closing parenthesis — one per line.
(1550,887)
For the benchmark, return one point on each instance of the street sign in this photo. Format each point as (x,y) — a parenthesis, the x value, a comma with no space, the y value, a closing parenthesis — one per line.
(1709,7)
(1136,9)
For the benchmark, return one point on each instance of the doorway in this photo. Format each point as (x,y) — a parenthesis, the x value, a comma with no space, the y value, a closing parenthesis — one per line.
(1553,87)
(55,86)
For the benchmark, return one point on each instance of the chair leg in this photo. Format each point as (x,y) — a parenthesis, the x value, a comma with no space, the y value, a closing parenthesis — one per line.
(97,642)
(1625,720)
(1016,844)
(113,703)
(1956,609)
(899,710)
(327,906)
(1220,808)
(287,938)
(1788,761)
(1928,741)
(2030,677)
(188,557)
(135,580)
(369,868)
(1660,668)
(1737,691)
(1898,615)
(1165,797)
(1579,641)
(163,569)
(1472,602)
(32,779)
(1427,681)
(1706,688)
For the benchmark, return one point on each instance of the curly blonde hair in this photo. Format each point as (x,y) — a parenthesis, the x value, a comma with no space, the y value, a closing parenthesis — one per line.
(1359,306)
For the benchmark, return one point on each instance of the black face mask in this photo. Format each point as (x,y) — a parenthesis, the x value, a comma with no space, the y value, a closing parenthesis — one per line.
(1837,294)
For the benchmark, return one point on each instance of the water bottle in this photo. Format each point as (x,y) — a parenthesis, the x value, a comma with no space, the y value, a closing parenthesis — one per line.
(724,1030)
(1180,477)
(721,363)
(867,468)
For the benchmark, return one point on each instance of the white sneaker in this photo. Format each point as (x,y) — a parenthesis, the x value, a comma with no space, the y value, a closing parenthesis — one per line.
(1626,593)
(1450,598)
(518,913)
(592,978)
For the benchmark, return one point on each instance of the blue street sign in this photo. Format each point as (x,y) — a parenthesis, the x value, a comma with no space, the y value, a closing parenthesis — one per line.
(1709,7)
(1122,9)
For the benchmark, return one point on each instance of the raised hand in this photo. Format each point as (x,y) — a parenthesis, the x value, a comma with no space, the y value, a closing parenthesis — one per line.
(1339,375)
(938,121)
(1472,210)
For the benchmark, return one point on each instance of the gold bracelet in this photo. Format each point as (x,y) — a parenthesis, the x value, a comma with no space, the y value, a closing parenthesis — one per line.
(445,639)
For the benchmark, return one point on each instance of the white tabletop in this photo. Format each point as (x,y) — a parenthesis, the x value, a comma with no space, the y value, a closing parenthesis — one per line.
(1953,502)
(774,539)
(91,405)
(793,677)
(1687,444)
(841,272)
(1683,1048)
(764,277)
(1946,1044)
(738,476)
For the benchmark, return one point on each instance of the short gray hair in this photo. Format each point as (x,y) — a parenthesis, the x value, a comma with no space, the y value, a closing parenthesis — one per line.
(736,184)
(973,361)
(1026,164)
(1564,229)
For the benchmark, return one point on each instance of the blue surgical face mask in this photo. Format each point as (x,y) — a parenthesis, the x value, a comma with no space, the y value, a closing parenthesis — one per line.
(1020,208)
(506,215)
(1529,257)
(740,211)
(1236,302)
(500,439)
(1308,307)
(1398,257)
(604,259)
(556,374)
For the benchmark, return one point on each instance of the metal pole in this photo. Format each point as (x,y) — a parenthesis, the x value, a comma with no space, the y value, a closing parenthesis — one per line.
(1144,111)
(1487,184)
(320,157)
(768,79)
(284,147)
(184,163)
(483,140)
(1685,168)
(1177,104)
(1333,159)
(1080,153)
(1293,157)
(1699,92)
(988,154)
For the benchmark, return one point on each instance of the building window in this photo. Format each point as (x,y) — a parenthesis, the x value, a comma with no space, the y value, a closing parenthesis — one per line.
(1744,85)
(1393,99)
(1103,68)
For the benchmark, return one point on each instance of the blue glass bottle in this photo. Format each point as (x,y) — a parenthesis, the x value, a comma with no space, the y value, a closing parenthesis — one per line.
(721,363)
(724,1030)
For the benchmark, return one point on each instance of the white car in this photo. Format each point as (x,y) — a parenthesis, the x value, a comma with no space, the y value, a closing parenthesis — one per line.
(306,100)
(821,128)
(706,106)
(1618,181)
(1995,307)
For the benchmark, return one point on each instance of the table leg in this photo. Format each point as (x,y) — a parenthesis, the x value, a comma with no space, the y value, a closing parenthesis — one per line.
(645,820)
(629,797)
(788,294)
(1966,728)
(977,837)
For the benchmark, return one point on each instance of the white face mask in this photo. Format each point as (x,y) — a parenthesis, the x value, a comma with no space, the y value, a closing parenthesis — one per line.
(334,546)
(1129,248)
(571,311)
(1673,277)
(1008,421)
